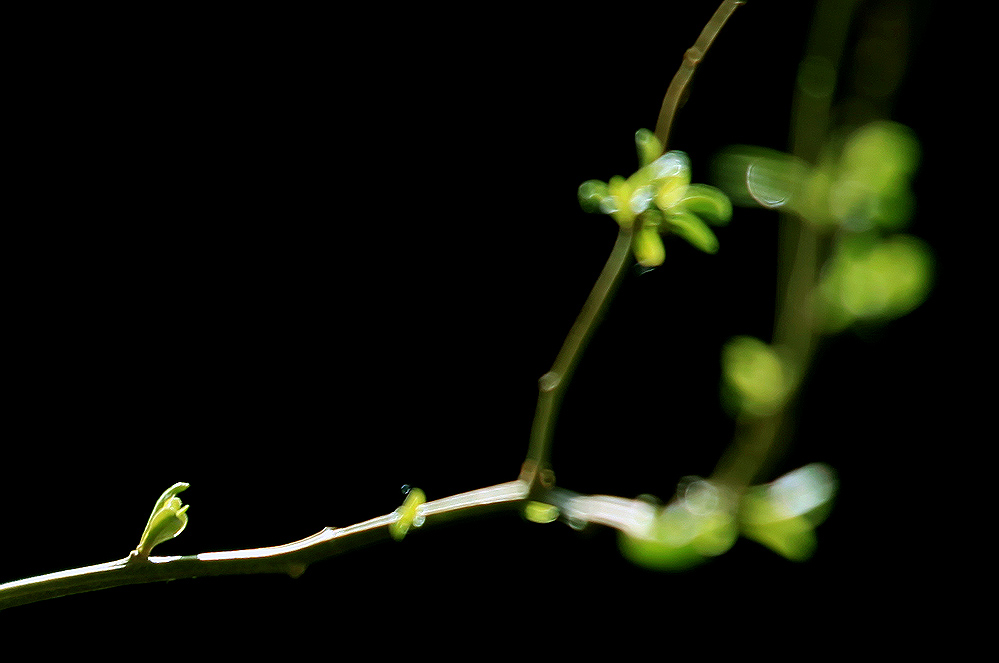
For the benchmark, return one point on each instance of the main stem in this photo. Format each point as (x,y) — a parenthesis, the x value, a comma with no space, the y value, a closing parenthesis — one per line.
(293,558)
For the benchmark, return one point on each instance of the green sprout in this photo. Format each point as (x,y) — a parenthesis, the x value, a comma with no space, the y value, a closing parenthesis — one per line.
(167,520)
(657,199)
(539,512)
(406,516)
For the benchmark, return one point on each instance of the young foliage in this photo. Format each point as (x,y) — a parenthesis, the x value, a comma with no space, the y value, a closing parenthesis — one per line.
(167,520)
(658,199)
(857,195)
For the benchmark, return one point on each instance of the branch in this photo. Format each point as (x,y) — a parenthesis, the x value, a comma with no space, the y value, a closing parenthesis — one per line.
(552,385)
(293,558)
(798,256)
(535,483)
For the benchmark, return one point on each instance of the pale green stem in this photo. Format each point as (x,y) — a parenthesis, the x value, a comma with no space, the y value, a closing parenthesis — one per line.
(552,385)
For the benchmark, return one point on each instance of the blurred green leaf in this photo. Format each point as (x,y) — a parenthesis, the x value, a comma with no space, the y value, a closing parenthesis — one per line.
(756,380)
(759,176)
(871,279)
(783,514)
(696,526)
(858,183)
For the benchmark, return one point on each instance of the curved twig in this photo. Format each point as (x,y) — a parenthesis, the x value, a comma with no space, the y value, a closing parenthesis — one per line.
(691,58)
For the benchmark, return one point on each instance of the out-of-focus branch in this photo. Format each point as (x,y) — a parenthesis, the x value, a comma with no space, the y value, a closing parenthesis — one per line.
(794,330)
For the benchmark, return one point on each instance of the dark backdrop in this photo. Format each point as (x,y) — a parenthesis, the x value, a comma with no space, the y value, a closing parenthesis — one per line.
(301,260)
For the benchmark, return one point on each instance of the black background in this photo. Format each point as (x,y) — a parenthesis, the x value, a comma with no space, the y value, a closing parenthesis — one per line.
(300,260)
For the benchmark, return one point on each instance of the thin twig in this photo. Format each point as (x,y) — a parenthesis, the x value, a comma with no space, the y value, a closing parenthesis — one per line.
(552,385)
(691,58)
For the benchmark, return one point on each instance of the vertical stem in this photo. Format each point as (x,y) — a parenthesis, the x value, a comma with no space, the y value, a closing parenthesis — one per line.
(552,385)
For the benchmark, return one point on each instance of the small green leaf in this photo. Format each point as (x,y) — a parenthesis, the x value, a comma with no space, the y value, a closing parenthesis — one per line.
(708,202)
(648,246)
(693,230)
(167,520)
(407,515)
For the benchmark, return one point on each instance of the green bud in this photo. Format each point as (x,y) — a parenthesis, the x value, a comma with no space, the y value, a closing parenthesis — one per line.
(707,202)
(648,246)
(167,520)
(539,512)
(649,147)
(407,515)
(592,194)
